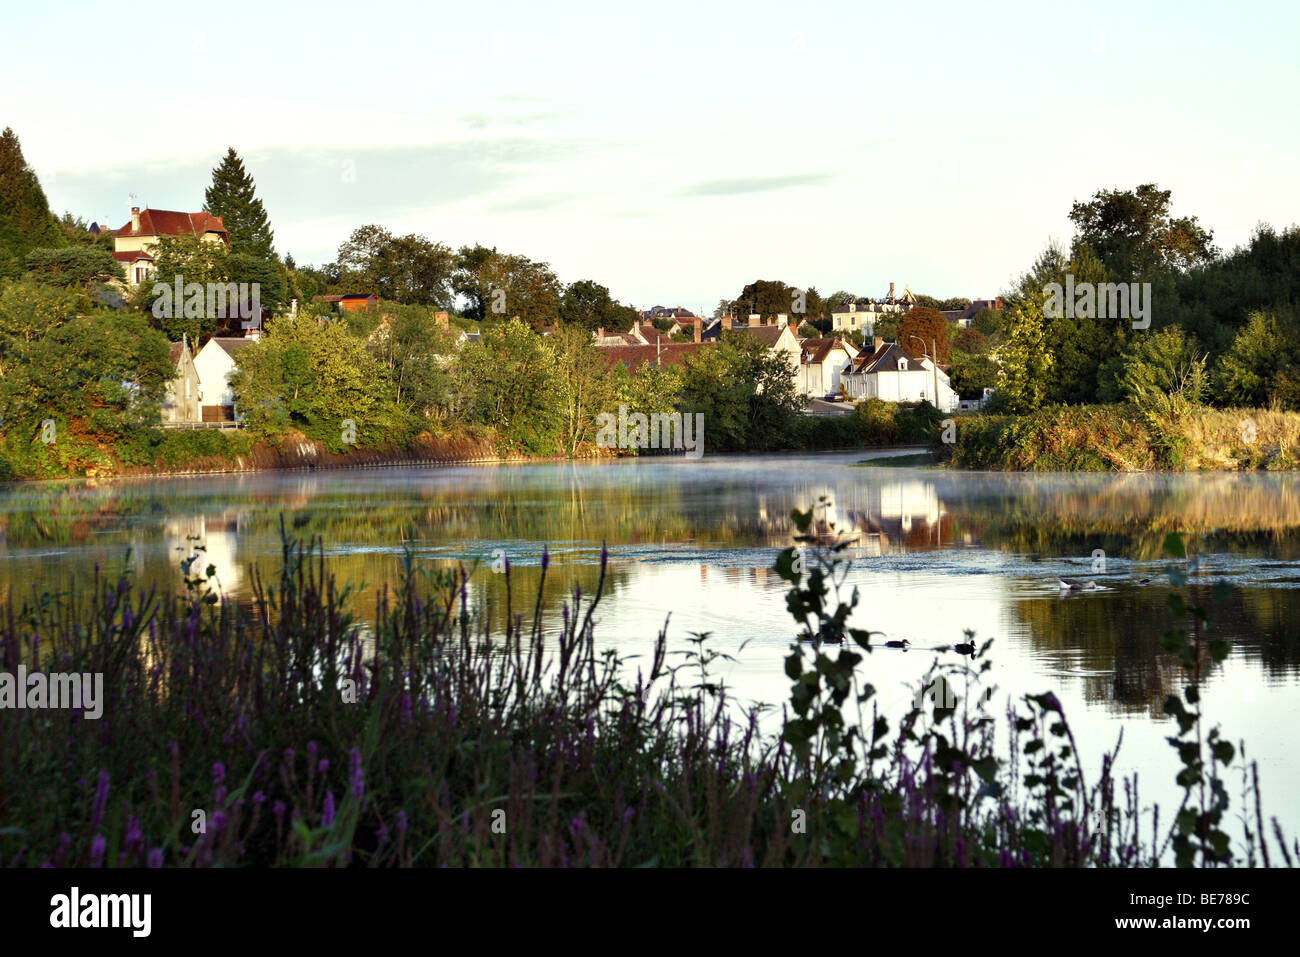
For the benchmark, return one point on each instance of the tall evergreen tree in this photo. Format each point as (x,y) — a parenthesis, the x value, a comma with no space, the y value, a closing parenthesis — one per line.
(232,197)
(26,222)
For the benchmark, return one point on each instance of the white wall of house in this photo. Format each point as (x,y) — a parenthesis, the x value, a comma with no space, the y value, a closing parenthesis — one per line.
(822,378)
(215,367)
(899,386)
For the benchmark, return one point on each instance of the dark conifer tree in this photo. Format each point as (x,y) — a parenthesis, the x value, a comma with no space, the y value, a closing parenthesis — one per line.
(232,197)
(26,222)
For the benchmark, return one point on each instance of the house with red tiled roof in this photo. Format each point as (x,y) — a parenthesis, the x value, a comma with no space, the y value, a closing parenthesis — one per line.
(634,357)
(133,244)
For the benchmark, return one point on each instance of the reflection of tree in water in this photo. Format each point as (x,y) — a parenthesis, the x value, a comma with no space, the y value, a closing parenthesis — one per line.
(1128,515)
(1114,637)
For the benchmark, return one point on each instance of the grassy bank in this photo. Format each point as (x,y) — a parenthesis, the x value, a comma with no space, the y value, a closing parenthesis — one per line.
(1124,438)
(282,732)
(157,451)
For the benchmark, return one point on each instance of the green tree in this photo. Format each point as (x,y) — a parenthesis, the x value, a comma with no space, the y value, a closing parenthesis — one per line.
(26,222)
(1264,350)
(970,341)
(746,393)
(192,260)
(766,298)
(1162,366)
(408,269)
(1134,235)
(508,379)
(584,382)
(1028,366)
(972,374)
(988,322)
(73,266)
(233,197)
(415,352)
(588,305)
(311,375)
(98,377)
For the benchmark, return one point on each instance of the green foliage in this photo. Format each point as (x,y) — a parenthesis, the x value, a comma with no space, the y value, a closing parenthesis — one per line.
(91,379)
(193,260)
(408,269)
(972,374)
(232,196)
(73,266)
(970,341)
(311,375)
(1134,235)
(988,323)
(500,286)
(745,392)
(26,222)
(171,449)
(584,382)
(1260,366)
(507,381)
(588,305)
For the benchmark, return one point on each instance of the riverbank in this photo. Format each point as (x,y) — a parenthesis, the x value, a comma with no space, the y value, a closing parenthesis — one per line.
(1123,438)
(164,452)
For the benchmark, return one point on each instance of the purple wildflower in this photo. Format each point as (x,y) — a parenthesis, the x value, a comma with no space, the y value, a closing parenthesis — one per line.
(327,813)
(97,847)
(358,777)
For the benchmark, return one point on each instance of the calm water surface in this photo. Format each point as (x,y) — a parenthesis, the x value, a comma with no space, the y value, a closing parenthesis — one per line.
(937,553)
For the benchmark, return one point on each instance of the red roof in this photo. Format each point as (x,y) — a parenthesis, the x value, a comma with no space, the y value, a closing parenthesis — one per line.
(168,222)
(632,357)
(132,257)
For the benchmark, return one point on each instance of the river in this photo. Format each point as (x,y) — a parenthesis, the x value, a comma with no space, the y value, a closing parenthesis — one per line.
(937,552)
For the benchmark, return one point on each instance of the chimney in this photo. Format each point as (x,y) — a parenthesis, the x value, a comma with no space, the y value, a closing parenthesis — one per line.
(600,332)
(440,319)
(891,292)
(697,323)
(726,322)
(878,341)
(135,219)
(782,319)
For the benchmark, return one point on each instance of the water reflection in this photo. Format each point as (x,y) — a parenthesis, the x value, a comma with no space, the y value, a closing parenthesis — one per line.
(934,552)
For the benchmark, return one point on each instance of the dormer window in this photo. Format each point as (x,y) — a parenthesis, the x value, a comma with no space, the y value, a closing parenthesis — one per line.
(902,365)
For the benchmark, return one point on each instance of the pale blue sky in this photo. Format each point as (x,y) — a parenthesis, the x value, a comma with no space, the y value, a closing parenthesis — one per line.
(676,151)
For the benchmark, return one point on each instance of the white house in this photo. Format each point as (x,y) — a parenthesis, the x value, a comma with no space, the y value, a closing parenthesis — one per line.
(215,364)
(863,314)
(821,364)
(893,374)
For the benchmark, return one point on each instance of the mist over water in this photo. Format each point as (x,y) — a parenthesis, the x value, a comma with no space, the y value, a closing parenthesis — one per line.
(693,542)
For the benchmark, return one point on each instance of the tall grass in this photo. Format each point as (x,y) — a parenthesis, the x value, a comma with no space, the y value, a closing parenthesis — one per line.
(1125,438)
(282,731)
